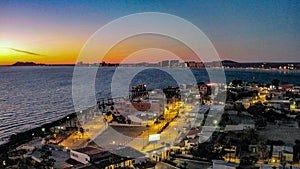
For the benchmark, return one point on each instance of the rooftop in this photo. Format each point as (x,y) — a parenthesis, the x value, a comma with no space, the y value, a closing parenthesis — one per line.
(90,150)
(124,151)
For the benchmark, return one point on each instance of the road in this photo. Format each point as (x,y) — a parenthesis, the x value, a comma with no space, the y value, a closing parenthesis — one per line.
(96,126)
(93,128)
(192,164)
(164,166)
(169,135)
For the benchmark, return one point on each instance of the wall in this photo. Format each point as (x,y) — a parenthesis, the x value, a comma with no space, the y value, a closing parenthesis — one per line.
(80,157)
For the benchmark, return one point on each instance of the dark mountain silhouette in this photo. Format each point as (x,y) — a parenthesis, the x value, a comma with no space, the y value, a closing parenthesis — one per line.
(268,65)
(27,64)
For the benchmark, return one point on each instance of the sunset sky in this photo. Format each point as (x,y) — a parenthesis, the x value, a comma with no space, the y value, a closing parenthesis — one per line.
(55,31)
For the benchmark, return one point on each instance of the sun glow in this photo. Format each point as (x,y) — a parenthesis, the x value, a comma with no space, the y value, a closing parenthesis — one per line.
(5,51)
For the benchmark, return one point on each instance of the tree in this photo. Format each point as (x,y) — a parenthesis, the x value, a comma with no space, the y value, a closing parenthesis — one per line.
(237,82)
(25,163)
(275,82)
(248,160)
(199,84)
(296,150)
(45,153)
(225,119)
(184,165)
(206,150)
(250,136)
(46,161)
(81,130)
(256,109)
(262,150)
(201,150)
(260,122)
(112,108)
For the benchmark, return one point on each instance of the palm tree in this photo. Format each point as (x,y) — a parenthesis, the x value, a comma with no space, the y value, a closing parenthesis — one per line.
(275,82)
(250,135)
(257,109)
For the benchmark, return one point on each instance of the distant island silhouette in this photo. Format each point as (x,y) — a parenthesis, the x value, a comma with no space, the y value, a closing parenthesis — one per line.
(38,64)
(27,64)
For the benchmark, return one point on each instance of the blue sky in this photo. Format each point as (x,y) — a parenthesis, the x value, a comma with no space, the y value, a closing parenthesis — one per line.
(240,30)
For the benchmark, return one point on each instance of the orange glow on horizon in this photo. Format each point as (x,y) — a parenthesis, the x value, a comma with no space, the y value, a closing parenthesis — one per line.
(122,50)
(64,54)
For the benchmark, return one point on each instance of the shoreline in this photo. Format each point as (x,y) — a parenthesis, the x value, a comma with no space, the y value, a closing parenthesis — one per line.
(193,68)
(20,138)
(267,70)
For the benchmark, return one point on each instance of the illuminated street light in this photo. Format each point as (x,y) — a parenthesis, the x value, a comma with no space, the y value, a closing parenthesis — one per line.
(215,122)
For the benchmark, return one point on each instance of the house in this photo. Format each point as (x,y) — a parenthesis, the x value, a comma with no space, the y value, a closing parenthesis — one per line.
(287,155)
(36,156)
(246,102)
(230,106)
(253,148)
(30,146)
(126,151)
(239,127)
(267,166)
(282,153)
(230,153)
(279,103)
(193,133)
(206,133)
(286,87)
(234,128)
(188,144)
(57,153)
(295,105)
(155,104)
(99,158)
(83,155)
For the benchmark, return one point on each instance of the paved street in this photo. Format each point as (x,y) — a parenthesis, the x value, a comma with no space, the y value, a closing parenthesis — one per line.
(96,126)
(164,166)
(92,128)
(192,164)
(169,135)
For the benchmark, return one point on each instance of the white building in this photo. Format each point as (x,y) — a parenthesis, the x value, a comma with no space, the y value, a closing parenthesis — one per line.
(83,155)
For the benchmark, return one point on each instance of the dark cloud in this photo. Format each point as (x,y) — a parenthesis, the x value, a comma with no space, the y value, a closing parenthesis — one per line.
(27,52)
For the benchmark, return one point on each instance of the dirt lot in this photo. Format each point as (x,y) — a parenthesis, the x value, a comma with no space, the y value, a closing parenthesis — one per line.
(284,133)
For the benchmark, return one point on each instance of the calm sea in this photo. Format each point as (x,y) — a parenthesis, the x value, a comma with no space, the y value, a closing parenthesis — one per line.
(32,96)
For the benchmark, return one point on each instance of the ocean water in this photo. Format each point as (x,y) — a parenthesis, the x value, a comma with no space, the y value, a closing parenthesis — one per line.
(32,96)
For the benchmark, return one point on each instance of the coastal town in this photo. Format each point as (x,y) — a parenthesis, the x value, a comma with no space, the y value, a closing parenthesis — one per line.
(228,64)
(139,84)
(204,125)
